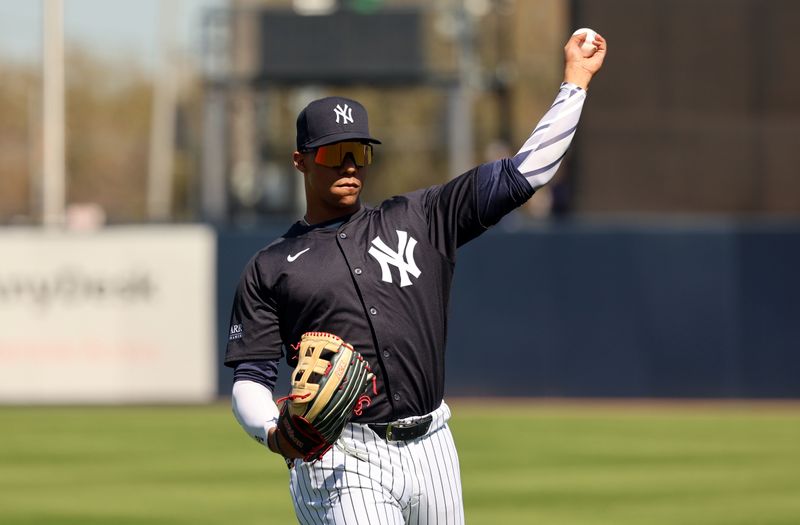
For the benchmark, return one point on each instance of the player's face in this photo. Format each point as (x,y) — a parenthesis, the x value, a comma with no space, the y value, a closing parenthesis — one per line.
(330,191)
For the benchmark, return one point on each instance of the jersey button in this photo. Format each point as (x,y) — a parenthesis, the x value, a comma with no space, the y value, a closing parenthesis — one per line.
(343,235)
(357,271)
(373,311)
(385,353)
(396,397)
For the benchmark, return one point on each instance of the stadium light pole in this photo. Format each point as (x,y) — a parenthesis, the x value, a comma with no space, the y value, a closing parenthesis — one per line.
(217,41)
(162,122)
(53,157)
(460,130)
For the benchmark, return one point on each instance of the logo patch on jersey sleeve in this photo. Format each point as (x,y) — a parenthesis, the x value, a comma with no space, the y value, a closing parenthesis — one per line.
(236,332)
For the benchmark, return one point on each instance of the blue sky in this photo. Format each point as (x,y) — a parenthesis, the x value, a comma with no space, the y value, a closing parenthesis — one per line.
(110,27)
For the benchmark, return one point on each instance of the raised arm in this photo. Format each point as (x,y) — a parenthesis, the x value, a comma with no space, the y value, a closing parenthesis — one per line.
(541,155)
(468,205)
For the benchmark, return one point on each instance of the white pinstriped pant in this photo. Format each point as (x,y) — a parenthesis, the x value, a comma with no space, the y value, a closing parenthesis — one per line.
(366,480)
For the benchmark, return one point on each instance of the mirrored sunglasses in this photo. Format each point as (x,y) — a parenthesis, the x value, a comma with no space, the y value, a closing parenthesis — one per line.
(333,155)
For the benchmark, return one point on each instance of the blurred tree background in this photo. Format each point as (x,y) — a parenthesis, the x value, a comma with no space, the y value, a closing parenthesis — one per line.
(16,138)
(704,123)
(108,112)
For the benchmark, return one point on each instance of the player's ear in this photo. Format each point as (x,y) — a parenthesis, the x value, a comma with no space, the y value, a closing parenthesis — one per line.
(299,161)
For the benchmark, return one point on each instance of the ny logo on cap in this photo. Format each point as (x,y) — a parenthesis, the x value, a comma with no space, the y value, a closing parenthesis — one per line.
(345,112)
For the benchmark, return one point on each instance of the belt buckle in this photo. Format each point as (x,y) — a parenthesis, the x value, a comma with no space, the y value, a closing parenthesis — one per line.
(403,425)
(389,431)
(396,424)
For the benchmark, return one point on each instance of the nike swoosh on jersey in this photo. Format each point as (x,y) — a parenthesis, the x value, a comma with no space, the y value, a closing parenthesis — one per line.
(292,258)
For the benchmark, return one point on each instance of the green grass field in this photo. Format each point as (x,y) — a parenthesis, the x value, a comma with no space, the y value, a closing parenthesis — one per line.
(521,463)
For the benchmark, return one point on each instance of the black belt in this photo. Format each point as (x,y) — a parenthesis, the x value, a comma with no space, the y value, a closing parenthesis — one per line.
(399,431)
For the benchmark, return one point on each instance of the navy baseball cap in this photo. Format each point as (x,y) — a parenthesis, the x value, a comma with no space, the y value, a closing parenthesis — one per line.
(332,119)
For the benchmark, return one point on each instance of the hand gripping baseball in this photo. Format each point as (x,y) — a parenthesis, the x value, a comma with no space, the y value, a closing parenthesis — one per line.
(328,385)
(581,63)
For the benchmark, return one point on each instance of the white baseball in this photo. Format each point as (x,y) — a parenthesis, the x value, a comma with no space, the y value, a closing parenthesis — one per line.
(587,47)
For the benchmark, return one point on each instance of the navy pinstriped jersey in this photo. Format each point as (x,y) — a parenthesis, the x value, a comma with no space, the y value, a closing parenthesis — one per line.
(380,280)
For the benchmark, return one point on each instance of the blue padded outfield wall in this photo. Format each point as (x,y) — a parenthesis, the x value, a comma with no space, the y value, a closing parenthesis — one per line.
(577,310)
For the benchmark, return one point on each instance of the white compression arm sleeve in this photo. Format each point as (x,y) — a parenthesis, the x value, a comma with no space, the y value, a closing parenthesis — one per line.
(541,155)
(254,409)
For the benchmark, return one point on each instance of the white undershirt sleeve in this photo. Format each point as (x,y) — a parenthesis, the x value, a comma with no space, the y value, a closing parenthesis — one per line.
(541,155)
(254,409)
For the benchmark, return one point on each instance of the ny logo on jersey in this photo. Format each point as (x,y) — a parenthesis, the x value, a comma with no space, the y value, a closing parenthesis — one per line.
(345,112)
(402,259)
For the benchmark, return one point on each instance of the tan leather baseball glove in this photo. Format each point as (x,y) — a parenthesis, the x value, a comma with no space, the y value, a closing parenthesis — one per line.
(328,385)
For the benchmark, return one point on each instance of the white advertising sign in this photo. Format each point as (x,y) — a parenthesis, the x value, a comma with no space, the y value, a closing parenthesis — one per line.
(123,315)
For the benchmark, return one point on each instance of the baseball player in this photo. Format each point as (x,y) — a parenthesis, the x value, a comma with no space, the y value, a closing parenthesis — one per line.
(379,278)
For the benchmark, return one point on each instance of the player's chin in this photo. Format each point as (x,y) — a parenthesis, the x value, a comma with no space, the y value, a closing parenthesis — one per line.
(348,202)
